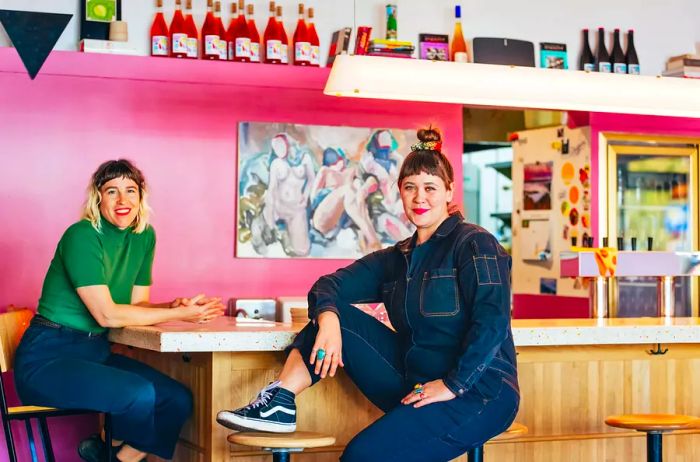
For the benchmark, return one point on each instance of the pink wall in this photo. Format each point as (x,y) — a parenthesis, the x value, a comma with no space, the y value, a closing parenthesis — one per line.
(56,130)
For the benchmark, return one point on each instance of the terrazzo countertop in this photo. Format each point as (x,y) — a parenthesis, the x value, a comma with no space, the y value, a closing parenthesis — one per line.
(615,331)
(235,334)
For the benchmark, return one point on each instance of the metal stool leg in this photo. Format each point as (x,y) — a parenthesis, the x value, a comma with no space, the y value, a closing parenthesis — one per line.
(281,456)
(654,447)
(108,436)
(46,440)
(30,436)
(9,439)
(476,454)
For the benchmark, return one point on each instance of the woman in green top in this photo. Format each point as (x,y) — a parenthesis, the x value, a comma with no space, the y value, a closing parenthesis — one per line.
(100,278)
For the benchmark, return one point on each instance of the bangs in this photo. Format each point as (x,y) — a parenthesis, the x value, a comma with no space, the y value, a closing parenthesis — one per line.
(117,169)
(421,162)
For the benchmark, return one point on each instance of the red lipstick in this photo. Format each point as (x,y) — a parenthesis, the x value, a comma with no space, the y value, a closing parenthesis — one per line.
(420,211)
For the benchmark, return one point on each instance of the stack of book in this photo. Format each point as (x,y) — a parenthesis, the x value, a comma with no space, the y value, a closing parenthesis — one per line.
(687,65)
(391,48)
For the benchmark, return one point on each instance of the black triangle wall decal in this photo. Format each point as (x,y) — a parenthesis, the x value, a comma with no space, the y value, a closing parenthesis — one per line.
(33,35)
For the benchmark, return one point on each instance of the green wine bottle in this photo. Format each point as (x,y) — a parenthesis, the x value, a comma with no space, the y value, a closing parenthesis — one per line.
(391,22)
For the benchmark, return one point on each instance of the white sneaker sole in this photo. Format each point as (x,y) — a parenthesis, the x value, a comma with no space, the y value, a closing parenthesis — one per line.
(236,422)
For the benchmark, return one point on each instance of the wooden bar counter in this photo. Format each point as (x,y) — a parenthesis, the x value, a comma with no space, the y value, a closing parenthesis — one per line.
(573,373)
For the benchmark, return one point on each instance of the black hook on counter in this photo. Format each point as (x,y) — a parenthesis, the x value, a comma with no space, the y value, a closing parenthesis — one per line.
(186,358)
(658,351)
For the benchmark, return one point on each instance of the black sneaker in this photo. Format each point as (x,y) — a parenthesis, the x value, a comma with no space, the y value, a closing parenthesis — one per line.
(273,411)
(93,449)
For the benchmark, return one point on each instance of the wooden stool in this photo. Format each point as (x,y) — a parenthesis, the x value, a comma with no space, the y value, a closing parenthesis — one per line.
(514,431)
(281,444)
(654,425)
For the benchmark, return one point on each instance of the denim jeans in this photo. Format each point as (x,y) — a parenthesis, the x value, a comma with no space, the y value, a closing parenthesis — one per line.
(65,368)
(374,360)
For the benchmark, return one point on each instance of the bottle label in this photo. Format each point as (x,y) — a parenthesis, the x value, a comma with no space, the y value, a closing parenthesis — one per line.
(315,55)
(285,53)
(633,69)
(254,52)
(273,49)
(604,67)
(302,52)
(589,67)
(461,57)
(159,45)
(192,47)
(211,45)
(223,49)
(180,43)
(242,47)
(620,68)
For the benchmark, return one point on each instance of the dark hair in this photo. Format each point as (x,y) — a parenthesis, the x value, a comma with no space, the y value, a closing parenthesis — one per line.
(426,156)
(117,169)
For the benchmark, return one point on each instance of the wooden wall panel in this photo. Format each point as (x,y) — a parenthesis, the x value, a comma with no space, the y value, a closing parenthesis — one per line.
(566,394)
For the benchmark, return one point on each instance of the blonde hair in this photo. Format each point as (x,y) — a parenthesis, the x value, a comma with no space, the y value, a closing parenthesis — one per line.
(106,172)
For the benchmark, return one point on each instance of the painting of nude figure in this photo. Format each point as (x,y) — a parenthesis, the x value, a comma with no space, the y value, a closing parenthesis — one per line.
(315,191)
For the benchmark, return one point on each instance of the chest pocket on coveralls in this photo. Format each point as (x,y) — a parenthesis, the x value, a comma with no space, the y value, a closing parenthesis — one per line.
(439,295)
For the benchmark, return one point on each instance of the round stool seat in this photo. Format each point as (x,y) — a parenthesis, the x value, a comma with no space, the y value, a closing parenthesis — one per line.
(292,440)
(653,422)
(514,431)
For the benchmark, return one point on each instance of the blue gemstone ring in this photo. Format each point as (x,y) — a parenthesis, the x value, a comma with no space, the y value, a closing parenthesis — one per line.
(418,389)
(320,354)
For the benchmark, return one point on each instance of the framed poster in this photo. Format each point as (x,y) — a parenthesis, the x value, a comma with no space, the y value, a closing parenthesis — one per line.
(315,191)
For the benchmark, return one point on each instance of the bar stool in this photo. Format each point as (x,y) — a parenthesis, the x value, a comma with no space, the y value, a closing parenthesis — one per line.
(282,444)
(654,425)
(514,431)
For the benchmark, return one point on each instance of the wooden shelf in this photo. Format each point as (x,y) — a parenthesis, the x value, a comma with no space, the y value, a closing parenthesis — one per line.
(111,66)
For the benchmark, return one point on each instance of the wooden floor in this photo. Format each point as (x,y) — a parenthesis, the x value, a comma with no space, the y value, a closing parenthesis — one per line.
(566,394)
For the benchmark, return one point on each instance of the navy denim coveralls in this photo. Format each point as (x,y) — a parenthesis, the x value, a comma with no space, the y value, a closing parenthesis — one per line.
(449,303)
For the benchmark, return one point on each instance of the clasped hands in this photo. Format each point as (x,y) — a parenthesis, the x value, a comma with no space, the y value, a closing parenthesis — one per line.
(203,309)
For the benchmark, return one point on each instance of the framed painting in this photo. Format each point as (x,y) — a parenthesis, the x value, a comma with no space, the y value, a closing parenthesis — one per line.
(315,191)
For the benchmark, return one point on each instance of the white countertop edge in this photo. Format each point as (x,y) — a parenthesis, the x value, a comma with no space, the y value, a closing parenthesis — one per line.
(608,335)
(224,341)
(531,333)
(196,342)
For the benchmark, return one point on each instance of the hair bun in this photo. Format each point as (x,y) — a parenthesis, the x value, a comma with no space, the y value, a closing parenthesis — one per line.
(426,135)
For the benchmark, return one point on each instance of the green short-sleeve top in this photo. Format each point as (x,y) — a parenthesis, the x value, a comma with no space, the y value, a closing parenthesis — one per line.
(119,259)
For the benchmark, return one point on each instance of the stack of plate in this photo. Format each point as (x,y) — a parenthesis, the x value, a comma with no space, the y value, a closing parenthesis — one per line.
(299,315)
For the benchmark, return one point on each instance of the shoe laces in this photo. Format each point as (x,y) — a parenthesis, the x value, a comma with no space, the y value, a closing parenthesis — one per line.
(264,396)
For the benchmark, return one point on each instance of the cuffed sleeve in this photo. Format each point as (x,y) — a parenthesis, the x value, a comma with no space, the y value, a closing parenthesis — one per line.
(145,275)
(484,271)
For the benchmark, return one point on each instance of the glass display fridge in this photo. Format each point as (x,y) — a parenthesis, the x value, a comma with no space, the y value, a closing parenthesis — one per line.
(652,204)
